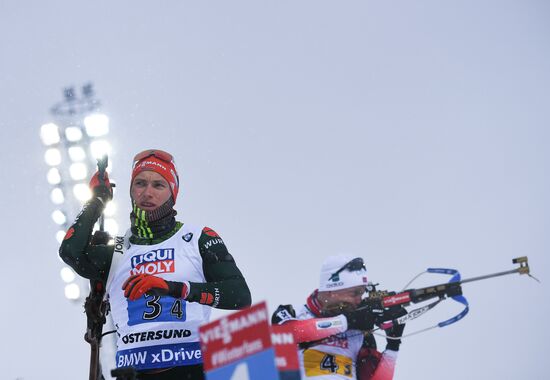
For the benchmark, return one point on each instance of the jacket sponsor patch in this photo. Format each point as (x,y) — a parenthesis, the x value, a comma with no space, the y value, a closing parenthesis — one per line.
(154,262)
(338,340)
(396,299)
(206,298)
(160,356)
(283,315)
(212,242)
(119,244)
(155,335)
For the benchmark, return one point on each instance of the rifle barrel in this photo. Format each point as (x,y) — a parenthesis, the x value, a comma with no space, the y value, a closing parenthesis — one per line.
(522,269)
(490,275)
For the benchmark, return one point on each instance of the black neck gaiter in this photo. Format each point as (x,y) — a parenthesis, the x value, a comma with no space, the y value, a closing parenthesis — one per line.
(153,224)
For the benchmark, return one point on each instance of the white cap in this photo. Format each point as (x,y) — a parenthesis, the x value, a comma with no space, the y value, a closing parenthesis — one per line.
(343,280)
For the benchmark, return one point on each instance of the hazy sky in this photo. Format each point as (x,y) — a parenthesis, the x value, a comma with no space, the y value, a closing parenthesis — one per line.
(412,133)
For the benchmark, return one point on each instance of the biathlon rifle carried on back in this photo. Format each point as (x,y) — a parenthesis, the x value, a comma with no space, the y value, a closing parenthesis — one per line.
(95,306)
(387,306)
(96,309)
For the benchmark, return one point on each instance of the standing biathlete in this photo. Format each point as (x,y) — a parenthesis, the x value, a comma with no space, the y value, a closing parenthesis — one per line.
(162,278)
(333,332)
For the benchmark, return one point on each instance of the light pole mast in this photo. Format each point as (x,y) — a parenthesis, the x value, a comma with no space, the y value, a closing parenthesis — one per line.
(74,139)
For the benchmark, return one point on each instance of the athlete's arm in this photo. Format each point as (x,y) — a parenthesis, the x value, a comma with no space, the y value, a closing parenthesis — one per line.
(79,251)
(225,286)
(308,330)
(373,365)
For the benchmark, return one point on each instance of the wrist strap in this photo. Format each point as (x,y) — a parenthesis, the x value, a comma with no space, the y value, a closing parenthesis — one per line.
(178,289)
(393,344)
(185,290)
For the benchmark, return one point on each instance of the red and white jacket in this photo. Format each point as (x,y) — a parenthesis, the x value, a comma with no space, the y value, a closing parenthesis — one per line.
(329,351)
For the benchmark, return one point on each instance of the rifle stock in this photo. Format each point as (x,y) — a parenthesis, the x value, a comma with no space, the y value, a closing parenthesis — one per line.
(96,309)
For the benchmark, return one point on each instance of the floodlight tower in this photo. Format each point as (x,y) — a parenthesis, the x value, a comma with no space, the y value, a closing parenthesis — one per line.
(74,140)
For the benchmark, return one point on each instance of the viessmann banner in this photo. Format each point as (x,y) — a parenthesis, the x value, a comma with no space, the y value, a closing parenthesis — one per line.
(286,352)
(239,346)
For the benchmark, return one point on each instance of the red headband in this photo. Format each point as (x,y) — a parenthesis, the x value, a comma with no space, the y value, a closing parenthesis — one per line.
(166,169)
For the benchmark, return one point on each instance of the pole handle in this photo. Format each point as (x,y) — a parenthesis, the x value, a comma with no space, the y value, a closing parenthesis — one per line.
(102,163)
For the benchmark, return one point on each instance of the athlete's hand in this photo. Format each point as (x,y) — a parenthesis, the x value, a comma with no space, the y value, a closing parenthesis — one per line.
(137,285)
(101,188)
(395,332)
(361,319)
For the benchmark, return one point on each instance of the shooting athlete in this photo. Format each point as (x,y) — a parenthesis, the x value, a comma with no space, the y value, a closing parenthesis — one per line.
(333,334)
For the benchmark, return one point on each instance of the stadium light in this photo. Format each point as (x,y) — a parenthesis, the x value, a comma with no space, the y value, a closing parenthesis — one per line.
(67,275)
(57,196)
(110,209)
(59,237)
(96,125)
(72,143)
(111,225)
(82,192)
(59,217)
(49,133)
(77,153)
(100,148)
(73,134)
(53,157)
(78,171)
(54,178)
(72,291)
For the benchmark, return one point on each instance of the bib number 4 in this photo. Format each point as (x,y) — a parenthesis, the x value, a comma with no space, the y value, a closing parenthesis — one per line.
(329,364)
(156,308)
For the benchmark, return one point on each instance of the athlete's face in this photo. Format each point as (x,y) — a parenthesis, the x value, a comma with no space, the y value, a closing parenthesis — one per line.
(338,301)
(150,190)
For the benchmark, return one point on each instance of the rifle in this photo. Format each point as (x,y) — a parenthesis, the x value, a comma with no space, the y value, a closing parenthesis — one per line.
(387,306)
(95,306)
(383,309)
(96,309)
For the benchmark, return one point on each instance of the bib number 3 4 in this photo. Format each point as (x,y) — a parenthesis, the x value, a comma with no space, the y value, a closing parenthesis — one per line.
(156,308)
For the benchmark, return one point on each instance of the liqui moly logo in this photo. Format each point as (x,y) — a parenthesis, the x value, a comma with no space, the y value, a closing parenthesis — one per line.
(154,262)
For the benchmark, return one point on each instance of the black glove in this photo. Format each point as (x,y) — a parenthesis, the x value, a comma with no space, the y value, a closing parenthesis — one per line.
(396,331)
(282,314)
(361,319)
(100,238)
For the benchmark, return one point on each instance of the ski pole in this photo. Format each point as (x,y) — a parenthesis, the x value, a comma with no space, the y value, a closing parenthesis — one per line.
(95,306)
(101,167)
